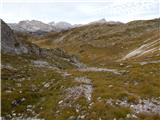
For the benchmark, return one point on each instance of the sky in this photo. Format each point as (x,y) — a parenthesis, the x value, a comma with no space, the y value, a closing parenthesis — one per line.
(78,11)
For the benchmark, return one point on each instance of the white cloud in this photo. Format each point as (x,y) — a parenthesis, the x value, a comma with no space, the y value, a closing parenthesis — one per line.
(77,1)
(81,12)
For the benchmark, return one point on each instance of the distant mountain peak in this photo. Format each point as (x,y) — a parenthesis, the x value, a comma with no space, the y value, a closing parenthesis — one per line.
(63,25)
(59,26)
(35,25)
(103,20)
(52,23)
(31,26)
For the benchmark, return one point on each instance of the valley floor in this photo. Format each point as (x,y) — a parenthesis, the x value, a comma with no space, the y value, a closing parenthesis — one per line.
(34,88)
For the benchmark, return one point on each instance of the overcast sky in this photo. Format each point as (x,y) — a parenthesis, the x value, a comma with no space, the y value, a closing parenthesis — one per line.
(81,11)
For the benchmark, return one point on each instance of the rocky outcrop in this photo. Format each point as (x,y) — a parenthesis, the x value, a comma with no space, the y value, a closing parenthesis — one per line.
(12,44)
(9,42)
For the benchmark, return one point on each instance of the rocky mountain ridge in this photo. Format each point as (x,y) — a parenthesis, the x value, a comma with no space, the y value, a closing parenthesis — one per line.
(38,26)
(35,26)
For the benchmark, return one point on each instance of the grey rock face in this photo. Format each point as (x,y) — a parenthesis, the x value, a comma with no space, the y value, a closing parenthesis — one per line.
(9,42)
(52,23)
(31,26)
(59,26)
(36,26)
(62,26)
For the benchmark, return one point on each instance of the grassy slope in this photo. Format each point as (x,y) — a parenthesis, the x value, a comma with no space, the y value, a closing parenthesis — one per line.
(95,45)
(103,44)
(30,77)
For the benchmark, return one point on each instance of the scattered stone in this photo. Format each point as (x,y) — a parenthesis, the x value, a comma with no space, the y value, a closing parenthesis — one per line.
(14,114)
(129,116)
(83,80)
(110,86)
(81,117)
(135,83)
(109,101)
(72,118)
(22,79)
(143,105)
(121,64)
(99,98)
(40,63)
(8,66)
(17,101)
(128,66)
(46,85)
(23,99)
(65,74)
(19,85)
(77,91)
(99,118)
(8,91)
(77,110)
(60,102)
(29,106)
(29,110)
(57,111)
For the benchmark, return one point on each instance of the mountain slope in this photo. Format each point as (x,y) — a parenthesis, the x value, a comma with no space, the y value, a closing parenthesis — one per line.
(131,51)
(98,43)
(114,74)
